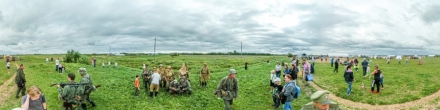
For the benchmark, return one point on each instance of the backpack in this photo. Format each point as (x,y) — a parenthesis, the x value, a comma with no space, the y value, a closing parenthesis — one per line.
(297,91)
(78,91)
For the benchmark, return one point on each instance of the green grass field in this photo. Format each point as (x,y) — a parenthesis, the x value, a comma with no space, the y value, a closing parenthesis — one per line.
(402,83)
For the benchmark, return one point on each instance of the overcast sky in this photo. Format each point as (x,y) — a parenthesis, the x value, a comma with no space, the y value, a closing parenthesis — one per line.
(395,27)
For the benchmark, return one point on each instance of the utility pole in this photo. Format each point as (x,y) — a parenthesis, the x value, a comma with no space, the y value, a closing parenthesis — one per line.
(109,50)
(154,54)
(241,50)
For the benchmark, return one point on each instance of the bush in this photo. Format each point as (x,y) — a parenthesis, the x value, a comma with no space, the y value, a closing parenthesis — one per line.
(72,56)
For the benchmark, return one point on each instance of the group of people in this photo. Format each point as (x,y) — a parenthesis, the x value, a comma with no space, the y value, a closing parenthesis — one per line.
(285,94)
(166,78)
(377,74)
(68,92)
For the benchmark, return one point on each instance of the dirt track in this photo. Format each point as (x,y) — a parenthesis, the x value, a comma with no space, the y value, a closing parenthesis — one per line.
(6,93)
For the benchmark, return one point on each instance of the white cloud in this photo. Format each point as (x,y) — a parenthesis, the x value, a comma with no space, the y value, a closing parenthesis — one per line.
(312,26)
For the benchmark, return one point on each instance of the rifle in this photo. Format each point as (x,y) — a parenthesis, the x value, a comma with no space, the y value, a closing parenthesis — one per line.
(62,84)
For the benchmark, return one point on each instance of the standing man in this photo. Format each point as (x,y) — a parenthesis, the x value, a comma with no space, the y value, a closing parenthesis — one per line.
(306,71)
(331,61)
(146,78)
(228,89)
(245,65)
(162,74)
(169,76)
(47,60)
(57,62)
(87,80)
(94,62)
(205,74)
(364,67)
(155,83)
(20,80)
(68,93)
(321,102)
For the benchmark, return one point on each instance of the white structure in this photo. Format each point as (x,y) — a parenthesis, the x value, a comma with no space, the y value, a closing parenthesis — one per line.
(431,56)
(398,57)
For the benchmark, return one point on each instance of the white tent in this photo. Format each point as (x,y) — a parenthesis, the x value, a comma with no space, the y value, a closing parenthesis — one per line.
(431,56)
(398,57)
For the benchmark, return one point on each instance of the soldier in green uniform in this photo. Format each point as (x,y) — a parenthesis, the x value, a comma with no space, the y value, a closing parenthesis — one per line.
(321,101)
(146,78)
(185,86)
(174,88)
(228,89)
(68,92)
(89,88)
(20,80)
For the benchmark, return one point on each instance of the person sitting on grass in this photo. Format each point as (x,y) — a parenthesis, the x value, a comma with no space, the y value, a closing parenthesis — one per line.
(174,88)
(185,86)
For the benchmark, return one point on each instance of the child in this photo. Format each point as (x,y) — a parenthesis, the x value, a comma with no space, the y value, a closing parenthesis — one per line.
(368,71)
(8,65)
(103,64)
(272,78)
(277,92)
(381,80)
(356,67)
(136,86)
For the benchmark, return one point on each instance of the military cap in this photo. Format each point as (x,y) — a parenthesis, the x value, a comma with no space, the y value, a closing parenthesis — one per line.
(160,65)
(321,97)
(204,63)
(169,67)
(232,71)
(82,71)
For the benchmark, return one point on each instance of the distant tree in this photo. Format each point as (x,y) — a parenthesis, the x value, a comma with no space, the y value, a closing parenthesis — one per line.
(72,56)
(290,55)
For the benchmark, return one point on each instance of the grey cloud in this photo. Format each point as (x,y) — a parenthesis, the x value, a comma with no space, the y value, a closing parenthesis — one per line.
(431,15)
(1,16)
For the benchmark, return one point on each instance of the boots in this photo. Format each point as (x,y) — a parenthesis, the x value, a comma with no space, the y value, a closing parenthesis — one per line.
(92,102)
(151,94)
(84,106)
(155,95)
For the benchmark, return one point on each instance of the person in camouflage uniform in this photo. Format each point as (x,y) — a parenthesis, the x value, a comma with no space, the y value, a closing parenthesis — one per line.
(321,102)
(169,76)
(228,89)
(174,87)
(185,86)
(68,92)
(89,88)
(20,80)
(205,74)
(146,78)
(161,71)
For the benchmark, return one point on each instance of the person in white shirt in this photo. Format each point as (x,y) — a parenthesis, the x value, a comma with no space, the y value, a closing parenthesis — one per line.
(8,65)
(144,66)
(103,65)
(154,82)
(109,64)
(278,69)
(272,80)
(57,62)
(116,64)
(47,60)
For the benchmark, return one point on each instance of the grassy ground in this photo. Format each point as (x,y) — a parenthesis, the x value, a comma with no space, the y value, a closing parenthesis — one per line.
(402,83)
(117,91)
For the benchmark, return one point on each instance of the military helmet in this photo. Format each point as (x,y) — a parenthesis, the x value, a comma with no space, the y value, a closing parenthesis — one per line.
(82,71)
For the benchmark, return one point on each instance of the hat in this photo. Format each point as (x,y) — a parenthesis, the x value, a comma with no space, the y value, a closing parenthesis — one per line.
(204,63)
(82,71)
(169,67)
(160,65)
(232,71)
(277,80)
(321,97)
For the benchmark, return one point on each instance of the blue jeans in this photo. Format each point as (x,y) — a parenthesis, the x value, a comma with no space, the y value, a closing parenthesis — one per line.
(278,74)
(349,88)
(287,106)
(56,67)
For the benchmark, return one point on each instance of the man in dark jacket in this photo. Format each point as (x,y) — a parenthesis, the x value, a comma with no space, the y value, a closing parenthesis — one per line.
(20,80)
(364,67)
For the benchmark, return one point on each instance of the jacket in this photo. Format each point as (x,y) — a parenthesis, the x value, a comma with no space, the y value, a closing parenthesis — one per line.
(348,75)
(289,89)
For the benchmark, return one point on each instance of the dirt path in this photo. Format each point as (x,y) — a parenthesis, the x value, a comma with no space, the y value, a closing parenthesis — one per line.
(421,102)
(6,93)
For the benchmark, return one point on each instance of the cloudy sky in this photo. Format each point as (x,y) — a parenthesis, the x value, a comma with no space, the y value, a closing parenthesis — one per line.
(268,26)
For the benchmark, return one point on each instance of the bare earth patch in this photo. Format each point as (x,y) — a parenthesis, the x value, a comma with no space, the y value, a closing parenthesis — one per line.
(6,93)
